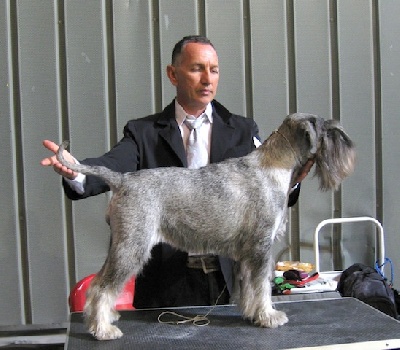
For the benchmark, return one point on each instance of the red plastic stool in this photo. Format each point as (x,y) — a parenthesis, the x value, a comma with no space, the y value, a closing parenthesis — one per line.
(77,297)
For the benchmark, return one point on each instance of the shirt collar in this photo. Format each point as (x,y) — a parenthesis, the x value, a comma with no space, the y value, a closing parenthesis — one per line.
(180,113)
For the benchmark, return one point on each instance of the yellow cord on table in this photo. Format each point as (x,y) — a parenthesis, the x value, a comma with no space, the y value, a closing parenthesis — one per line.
(198,320)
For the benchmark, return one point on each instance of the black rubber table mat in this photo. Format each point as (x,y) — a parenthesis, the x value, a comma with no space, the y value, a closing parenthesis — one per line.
(311,323)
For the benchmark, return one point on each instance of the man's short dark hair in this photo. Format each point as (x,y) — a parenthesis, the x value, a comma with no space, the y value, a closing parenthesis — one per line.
(186,40)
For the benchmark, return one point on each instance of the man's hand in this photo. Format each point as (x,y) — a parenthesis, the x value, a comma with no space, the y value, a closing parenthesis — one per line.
(57,166)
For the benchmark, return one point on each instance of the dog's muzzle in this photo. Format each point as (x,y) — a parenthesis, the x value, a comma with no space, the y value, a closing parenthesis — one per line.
(207,263)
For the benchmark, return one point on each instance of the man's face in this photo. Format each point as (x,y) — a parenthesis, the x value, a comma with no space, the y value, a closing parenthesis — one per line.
(195,76)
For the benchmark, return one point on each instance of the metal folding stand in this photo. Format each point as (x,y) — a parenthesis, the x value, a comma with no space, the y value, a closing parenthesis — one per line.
(379,242)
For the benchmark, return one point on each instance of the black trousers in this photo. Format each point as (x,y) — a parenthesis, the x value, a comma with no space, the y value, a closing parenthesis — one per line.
(169,283)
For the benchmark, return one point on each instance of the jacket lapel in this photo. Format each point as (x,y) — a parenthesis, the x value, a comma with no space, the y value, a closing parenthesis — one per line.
(169,131)
(221,135)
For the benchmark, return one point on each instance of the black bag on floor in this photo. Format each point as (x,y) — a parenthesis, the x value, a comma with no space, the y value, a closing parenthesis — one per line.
(366,284)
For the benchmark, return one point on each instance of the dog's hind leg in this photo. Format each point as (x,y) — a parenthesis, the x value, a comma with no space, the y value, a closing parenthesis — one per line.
(121,264)
(99,310)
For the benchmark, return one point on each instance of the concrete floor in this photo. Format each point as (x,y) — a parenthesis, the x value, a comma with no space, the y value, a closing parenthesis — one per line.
(52,336)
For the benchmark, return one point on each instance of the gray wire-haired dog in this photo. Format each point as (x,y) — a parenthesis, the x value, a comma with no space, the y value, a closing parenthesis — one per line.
(245,209)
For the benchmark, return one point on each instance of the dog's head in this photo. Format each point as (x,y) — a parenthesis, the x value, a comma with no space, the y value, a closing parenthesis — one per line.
(326,142)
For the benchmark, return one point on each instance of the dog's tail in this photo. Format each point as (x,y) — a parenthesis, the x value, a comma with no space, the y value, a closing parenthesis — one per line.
(113,179)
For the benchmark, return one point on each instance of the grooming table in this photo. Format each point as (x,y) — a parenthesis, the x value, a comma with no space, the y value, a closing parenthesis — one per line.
(321,324)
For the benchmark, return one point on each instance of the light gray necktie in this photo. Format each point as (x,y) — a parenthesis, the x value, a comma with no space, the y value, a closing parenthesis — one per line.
(196,152)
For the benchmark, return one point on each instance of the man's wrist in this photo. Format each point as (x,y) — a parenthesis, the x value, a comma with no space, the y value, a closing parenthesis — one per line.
(77,184)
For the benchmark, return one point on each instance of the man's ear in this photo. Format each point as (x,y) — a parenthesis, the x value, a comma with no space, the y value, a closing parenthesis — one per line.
(171,74)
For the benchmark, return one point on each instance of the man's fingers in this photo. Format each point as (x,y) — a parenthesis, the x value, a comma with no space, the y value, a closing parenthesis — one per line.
(57,166)
(46,162)
(64,171)
(53,147)
(50,145)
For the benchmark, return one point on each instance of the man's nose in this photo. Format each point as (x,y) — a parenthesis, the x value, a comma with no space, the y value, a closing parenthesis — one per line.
(206,77)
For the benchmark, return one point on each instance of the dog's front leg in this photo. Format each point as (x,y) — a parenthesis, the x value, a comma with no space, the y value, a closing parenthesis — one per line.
(266,315)
(255,299)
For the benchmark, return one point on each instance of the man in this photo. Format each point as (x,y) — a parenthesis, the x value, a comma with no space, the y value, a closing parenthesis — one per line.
(173,277)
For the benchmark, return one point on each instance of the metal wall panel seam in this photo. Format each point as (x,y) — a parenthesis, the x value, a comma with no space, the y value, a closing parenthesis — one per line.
(109,72)
(201,29)
(378,110)
(294,214)
(291,57)
(336,232)
(378,115)
(247,60)
(62,98)
(18,185)
(156,56)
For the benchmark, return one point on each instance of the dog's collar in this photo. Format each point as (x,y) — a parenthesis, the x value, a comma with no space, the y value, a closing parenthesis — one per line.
(290,145)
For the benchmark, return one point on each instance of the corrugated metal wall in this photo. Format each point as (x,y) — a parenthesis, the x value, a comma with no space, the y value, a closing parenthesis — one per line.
(78,70)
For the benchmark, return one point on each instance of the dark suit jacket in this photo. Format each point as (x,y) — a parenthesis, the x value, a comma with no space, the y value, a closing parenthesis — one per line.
(155,141)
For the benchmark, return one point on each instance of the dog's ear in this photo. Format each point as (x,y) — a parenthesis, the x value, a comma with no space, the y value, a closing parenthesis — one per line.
(336,156)
(308,127)
(314,128)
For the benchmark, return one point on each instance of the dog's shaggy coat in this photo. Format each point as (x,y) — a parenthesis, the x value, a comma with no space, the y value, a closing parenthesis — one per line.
(235,208)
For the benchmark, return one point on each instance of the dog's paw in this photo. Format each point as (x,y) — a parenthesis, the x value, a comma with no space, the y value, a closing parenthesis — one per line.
(271,319)
(108,332)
